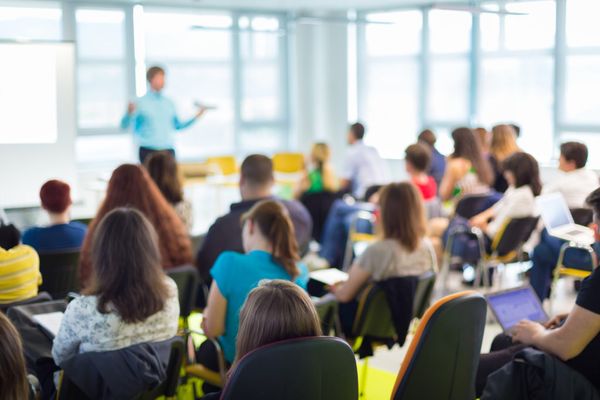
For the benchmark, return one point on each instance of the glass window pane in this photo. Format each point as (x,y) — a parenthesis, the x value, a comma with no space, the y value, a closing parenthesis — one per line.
(448,90)
(41,23)
(450,31)
(532,30)
(391,106)
(582,101)
(519,90)
(173,36)
(102,95)
(394,33)
(490,31)
(583,28)
(263,140)
(260,91)
(209,84)
(100,34)
(102,148)
(259,45)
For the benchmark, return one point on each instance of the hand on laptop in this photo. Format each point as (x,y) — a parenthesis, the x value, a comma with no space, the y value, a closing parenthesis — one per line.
(556,321)
(526,331)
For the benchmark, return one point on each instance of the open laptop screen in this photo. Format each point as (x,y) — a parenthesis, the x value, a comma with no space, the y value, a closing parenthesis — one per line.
(554,210)
(513,305)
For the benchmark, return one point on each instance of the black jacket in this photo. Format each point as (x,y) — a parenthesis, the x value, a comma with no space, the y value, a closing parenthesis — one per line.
(119,374)
(535,375)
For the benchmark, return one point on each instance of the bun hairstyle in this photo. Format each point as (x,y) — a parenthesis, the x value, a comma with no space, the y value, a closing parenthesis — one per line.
(274,223)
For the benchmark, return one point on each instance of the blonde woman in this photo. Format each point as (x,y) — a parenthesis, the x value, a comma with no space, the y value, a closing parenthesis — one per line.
(321,177)
(504,144)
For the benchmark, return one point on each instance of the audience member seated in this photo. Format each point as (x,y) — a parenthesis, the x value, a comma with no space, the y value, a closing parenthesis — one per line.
(403,250)
(19,266)
(575,182)
(61,234)
(363,166)
(321,177)
(504,144)
(522,173)
(337,225)
(438,161)
(574,338)
(485,139)
(467,171)
(129,300)
(271,253)
(256,184)
(131,186)
(276,310)
(14,383)
(162,168)
(417,158)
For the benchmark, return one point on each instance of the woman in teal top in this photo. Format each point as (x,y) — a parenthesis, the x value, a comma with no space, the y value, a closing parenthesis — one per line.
(271,253)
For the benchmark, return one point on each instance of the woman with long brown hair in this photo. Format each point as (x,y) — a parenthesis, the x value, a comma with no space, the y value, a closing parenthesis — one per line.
(467,171)
(162,168)
(271,252)
(403,249)
(129,300)
(13,374)
(504,144)
(131,186)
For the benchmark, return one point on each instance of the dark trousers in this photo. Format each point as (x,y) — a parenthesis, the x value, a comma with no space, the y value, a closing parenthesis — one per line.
(207,355)
(145,152)
(501,352)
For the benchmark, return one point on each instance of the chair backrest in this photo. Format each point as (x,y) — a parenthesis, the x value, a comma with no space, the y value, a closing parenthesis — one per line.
(373,317)
(168,387)
(225,165)
(582,216)
(514,233)
(298,369)
(442,360)
(288,163)
(471,205)
(423,293)
(40,298)
(59,272)
(187,279)
(318,206)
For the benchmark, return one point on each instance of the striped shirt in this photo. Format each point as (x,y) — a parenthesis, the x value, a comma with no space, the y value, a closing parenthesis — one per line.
(19,274)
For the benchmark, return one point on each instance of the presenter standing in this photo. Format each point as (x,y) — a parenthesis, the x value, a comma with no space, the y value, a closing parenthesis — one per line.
(154,118)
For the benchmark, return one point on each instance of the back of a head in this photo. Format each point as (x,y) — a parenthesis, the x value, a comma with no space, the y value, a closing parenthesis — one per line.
(504,141)
(13,374)
(526,171)
(55,196)
(320,153)
(427,136)
(576,152)
(593,200)
(162,168)
(358,130)
(9,236)
(257,170)
(276,310)
(419,156)
(275,225)
(467,146)
(402,214)
(127,266)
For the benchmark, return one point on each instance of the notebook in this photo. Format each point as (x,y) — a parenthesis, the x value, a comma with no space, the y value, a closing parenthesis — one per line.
(329,276)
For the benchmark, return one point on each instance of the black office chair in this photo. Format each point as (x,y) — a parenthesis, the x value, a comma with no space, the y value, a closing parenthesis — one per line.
(297,369)
(59,271)
(582,216)
(318,206)
(423,293)
(442,360)
(40,298)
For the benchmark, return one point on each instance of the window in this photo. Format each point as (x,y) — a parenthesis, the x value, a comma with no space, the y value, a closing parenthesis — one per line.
(582,28)
(450,31)
(196,51)
(390,103)
(102,69)
(31,21)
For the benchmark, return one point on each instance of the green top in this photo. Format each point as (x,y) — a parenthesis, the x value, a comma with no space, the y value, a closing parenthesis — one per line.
(316,181)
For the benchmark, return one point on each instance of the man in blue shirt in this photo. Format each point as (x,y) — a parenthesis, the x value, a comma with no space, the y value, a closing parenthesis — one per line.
(154,118)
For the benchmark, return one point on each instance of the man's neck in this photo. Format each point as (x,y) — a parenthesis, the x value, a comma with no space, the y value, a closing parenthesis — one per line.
(255,193)
(59,219)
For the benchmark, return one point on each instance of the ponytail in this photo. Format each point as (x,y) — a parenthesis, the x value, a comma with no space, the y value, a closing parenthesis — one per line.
(274,223)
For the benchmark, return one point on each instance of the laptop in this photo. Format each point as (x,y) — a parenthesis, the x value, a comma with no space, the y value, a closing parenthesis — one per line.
(513,305)
(559,221)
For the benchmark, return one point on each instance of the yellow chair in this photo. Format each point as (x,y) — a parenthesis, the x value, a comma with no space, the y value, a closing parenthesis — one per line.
(225,165)
(288,163)
(358,241)
(563,270)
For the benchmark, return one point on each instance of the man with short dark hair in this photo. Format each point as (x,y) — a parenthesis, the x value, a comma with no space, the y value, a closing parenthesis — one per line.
(256,184)
(438,161)
(363,167)
(154,118)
